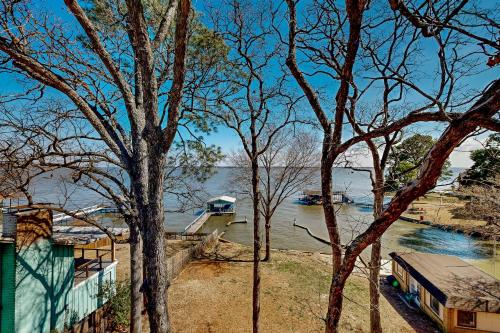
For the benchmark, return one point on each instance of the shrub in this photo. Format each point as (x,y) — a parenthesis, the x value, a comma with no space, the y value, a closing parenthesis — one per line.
(118,305)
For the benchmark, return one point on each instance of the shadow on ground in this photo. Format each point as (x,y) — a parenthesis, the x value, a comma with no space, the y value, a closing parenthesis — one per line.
(414,317)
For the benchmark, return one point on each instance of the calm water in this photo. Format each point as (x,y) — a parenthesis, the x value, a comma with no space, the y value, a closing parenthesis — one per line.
(401,236)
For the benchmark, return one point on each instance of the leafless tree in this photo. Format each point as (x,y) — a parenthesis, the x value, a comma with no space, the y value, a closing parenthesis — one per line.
(287,166)
(325,42)
(125,76)
(483,204)
(251,98)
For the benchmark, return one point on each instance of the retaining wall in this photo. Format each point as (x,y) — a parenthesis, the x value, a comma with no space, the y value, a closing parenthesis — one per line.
(180,259)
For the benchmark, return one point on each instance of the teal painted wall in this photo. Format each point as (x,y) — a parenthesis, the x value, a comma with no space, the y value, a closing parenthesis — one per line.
(7,285)
(87,295)
(33,287)
(62,285)
(38,292)
(44,282)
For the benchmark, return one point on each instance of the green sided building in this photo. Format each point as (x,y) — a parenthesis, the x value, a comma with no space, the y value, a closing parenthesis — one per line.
(51,277)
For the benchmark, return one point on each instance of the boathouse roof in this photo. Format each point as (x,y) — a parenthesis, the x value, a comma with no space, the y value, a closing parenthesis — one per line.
(224,198)
(454,282)
(312,192)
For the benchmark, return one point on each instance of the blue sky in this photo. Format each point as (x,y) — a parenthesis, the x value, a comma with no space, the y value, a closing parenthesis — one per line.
(229,142)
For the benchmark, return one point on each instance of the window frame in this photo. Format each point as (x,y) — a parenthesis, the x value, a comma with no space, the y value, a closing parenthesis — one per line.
(474,317)
(431,305)
(399,269)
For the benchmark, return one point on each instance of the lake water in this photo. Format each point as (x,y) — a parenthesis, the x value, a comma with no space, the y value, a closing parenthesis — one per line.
(353,219)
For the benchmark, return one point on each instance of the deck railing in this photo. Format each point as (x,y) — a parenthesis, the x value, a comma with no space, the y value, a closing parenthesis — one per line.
(83,265)
(184,236)
(88,295)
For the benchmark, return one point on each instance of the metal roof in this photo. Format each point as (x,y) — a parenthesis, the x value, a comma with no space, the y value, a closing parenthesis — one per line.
(72,235)
(313,192)
(11,195)
(223,198)
(454,282)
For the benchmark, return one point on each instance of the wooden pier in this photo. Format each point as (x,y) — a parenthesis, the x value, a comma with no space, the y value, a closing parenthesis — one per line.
(62,217)
(197,223)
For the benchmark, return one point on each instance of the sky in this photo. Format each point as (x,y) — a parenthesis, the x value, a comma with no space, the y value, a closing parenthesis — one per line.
(229,142)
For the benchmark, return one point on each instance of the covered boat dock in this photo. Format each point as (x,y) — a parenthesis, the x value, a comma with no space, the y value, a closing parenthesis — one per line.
(315,197)
(221,205)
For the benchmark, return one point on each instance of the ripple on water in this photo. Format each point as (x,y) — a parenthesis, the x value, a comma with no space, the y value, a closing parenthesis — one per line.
(433,240)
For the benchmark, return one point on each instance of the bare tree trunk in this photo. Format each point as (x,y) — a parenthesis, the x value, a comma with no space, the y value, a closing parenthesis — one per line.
(256,247)
(268,238)
(153,231)
(335,304)
(136,280)
(156,283)
(335,297)
(375,322)
(375,260)
(329,212)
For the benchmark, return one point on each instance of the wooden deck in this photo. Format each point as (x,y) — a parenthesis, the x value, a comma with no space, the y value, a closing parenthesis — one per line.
(197,223)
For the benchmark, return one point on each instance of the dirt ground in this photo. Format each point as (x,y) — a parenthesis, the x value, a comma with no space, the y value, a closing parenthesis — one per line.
(213,294)
(122,252)
(439,209)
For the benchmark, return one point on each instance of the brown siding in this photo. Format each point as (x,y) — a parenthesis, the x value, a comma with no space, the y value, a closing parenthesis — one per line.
(443,323)
(403,280)
(480,318)
(448,322)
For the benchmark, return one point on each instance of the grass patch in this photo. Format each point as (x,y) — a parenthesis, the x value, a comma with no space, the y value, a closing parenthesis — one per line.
(304,275)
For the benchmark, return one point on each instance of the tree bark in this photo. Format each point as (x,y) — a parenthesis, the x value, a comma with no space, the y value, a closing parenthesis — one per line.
(335,304)
(156,284)
(336,286)
(268,238)
(136,280)
(375,260)
(375,322)
(256,246)
(153,234)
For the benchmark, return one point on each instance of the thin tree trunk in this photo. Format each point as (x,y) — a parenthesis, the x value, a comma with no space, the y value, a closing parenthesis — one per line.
(136,280)
(268,238)
(375,260)
(375,322)
(256,247)
(335,296)
(335,304)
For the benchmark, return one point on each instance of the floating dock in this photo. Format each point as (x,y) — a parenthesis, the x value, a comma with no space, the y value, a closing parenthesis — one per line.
(62,217)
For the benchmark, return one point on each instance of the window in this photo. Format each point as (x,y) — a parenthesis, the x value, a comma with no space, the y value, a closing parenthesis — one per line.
(399,269)
(466,318)
(434,304)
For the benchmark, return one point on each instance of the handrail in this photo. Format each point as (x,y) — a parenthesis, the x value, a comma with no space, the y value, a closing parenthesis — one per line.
(90,261)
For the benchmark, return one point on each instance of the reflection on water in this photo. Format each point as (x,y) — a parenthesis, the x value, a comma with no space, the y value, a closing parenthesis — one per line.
(433,240)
